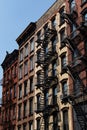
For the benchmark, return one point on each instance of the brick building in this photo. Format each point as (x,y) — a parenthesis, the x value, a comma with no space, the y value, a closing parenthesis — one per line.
(9,91)
(52,70)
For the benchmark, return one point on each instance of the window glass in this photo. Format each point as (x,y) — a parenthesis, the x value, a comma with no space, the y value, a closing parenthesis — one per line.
(20,71)
(65,120)
(31,63)
(26,68)
(26,50)
(21,55)
(32,45)
(31,106)
(25,88)
(31,84)
(65,88)
(61,16)
(20,91)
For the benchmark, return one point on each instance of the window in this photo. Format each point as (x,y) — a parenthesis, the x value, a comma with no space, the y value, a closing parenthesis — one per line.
(46,72)
(55,121)
(38,55)
(85,16)
(55,95)
(14,112)
(11,114)
(20,91)
(38,102)
(72,5)
(62,36)
(20,71)
(10,93)
(46,98)
(31,106)
(25,88)
(38,78)
(15,94)
(24,127)
(53,22)
(85,46)
(26,50)
(26,68)
(31,84)
(46,121)
(46,49)
(31,63)
(32,45)
(65,88)
(73,30)
(19,111)
(21,55)
(38,37)
(31,125)
(54,68)
(65,120)
(38,124)
(7,96)
(25,109)
(15,70)
(63,63)
(83,1)
(54,41)
(61,15)
(45,28)
(19,127)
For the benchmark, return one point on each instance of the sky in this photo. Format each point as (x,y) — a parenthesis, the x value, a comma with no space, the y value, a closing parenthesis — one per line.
(15,16)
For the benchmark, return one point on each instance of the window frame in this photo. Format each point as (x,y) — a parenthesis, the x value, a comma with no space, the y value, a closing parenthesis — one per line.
(32,45)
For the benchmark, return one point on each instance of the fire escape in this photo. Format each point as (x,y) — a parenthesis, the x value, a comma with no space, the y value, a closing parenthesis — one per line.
(7,103)
(77,65)
(46,54)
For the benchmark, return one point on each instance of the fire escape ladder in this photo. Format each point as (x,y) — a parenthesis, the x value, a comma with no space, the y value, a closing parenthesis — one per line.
(49,34)
(51,81)
(40,105)
(40,80)
(80,116)
(39,42)
(42,102)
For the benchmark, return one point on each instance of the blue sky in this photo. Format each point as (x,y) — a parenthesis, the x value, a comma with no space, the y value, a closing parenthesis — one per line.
(15,15)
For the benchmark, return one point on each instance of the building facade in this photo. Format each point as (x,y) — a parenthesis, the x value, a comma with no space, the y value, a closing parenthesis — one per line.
(52,70)
(9,91)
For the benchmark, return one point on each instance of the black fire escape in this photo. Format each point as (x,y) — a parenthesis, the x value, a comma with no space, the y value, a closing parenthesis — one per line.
(46,55)
(77,65)
(7,102)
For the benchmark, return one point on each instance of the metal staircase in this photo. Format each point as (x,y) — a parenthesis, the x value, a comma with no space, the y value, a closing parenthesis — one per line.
(45,56)
(76,66)
(80,116)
